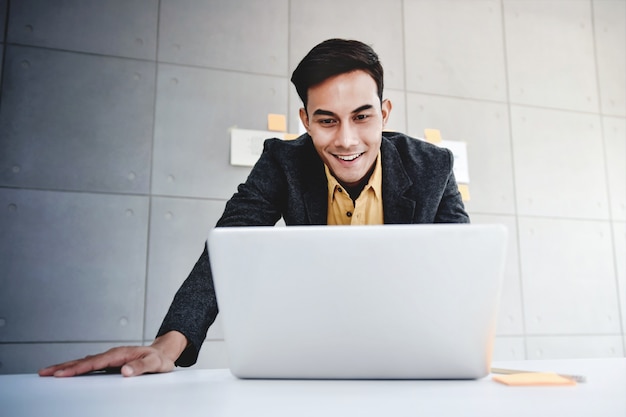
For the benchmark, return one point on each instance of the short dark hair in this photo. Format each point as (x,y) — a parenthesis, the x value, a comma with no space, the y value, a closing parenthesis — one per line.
(333,57)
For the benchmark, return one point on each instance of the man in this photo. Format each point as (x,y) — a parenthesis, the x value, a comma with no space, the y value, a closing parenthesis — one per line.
(344,170)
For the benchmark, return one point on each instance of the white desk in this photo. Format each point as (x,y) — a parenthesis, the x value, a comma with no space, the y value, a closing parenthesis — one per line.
(216,393)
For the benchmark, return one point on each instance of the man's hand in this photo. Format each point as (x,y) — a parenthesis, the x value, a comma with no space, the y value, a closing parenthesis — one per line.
(132,360)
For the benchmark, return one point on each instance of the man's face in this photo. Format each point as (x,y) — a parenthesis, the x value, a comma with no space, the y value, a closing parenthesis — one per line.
(345,118)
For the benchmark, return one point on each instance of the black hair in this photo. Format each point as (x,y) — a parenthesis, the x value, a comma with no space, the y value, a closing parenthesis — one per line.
(333,57)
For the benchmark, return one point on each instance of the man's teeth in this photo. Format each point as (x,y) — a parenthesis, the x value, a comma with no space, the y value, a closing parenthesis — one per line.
(349,157)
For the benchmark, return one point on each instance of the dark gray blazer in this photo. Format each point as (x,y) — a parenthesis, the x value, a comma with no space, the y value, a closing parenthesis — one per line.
(289,181)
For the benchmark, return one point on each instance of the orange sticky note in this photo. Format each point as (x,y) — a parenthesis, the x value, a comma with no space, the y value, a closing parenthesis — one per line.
(432,136)
(277,122)
(533,379)
(464,190)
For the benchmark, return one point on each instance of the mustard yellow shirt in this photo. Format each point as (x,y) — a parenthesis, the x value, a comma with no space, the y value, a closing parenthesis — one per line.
(368,207)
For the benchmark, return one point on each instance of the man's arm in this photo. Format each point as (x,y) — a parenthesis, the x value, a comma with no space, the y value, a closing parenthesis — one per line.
(131,360)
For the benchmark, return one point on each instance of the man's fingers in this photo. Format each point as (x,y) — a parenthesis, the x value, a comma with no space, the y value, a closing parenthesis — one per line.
(113,358)
(134,360)
(50,370)
(78,367)
(83,366)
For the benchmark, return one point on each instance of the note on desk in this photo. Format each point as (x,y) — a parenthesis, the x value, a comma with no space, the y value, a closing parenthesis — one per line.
(533,379)
(277,122)
(246,145)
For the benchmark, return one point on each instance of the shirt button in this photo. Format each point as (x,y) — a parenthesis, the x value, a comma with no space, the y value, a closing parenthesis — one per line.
(349,214)
(339,189)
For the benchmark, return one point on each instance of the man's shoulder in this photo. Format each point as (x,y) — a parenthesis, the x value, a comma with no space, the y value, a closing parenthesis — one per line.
(292,156)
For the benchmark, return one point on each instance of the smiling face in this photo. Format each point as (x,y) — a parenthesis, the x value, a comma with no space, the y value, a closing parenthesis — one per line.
(345,119)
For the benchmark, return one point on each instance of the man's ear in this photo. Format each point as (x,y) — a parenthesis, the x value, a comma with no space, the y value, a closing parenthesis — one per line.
(385,108)
(304,117)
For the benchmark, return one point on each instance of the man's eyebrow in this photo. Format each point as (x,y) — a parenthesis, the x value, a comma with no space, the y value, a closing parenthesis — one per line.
(322,112)
(363,107)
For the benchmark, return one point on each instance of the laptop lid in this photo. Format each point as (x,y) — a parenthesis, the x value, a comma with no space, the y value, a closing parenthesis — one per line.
(359,302)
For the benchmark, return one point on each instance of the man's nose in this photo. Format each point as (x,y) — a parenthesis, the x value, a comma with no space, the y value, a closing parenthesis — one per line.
(346,136)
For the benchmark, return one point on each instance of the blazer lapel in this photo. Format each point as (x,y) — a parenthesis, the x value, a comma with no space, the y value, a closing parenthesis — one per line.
(315,190)
(398,209)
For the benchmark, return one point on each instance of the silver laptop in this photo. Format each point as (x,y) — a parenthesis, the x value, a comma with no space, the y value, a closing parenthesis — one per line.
(359,302)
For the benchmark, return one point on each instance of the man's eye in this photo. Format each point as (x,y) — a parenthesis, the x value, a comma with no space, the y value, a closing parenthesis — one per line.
(326,121)
(361,117)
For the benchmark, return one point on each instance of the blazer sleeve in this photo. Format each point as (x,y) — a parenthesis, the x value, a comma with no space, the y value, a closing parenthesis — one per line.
(193,309)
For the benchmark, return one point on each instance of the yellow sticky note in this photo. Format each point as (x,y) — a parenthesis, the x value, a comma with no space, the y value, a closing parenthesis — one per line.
(432,136)
(533,379)
(464,190)
(290,136)
(277,122)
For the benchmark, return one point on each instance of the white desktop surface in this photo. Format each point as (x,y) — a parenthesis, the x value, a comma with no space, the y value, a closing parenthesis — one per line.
(217,393)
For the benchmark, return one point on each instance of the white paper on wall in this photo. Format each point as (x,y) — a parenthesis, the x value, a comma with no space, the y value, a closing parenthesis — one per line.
(246,145)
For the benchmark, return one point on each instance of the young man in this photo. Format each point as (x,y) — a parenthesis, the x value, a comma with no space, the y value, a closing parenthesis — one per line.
(344,170)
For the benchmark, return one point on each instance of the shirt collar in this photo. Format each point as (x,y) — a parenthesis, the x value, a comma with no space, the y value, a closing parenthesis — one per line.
(375,182)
